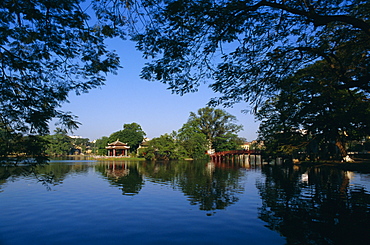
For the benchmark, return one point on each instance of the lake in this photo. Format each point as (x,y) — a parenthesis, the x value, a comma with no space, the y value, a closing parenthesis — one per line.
(128,202)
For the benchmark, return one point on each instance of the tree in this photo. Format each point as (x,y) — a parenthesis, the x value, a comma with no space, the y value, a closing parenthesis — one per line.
(246,48)
(194,142)
(48,49)
(228,141)
(21,149)
(309,113)
(164,147)
(59,144)
(101,144)
(216,124)
(132,134)
(80,145)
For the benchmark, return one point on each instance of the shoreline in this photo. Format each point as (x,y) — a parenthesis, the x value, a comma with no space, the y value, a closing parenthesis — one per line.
(359,164)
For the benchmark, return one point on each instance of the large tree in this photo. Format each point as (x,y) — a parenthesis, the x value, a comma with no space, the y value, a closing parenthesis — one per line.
(100,145)
(48,48)
(58,144)
(245,50)
(193,141)
(310,114)
(163,147)
(132,134)
(216,125)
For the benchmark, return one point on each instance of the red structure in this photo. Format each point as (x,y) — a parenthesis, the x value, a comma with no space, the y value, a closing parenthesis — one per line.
(117,148)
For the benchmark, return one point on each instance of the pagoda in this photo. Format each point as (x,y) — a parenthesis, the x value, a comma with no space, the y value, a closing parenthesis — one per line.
(117,148)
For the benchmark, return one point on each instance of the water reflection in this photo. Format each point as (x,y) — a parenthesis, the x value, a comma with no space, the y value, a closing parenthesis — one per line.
(48,175)
(314,205)
(209,186)
(124,175)
(307,205)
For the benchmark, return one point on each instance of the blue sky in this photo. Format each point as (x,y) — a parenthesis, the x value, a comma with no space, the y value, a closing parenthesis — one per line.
(126,98)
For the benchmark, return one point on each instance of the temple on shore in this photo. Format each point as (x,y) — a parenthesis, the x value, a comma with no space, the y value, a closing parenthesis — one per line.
(117,148)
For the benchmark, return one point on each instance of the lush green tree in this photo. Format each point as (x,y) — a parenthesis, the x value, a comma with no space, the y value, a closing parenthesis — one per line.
(280,132)
(194,142)
(132,134)
(244,48)
(100,145)
(217,125)
(164,147)
(228,141)
(8,142)
(59,144)
(311,114)
(48,49)
(16,148)
(80,145)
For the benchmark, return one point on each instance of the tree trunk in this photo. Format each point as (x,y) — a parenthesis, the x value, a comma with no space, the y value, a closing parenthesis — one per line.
(343,151)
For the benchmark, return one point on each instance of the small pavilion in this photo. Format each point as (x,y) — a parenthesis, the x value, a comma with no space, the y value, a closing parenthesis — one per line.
(117,148)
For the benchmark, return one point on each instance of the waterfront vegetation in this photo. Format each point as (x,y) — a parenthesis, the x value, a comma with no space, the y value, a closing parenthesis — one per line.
(302,65)
(209,128)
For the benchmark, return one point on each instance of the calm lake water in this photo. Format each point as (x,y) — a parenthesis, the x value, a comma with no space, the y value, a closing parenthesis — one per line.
(88,202)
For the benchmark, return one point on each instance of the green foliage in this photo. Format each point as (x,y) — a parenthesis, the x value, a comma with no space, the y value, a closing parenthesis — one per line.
(59,144)
(100,144)
(308,60)
(80,146)
(217,126)
(194,142)
(259,43)
(164,147)
(47,50)
(208,127)
(228,142)
(132,134)
(310,114)
(16,148)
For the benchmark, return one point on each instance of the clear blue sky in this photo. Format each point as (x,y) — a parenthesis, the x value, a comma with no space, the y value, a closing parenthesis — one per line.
(126,98)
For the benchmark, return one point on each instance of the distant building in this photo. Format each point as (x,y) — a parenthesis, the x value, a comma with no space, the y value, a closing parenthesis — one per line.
(245,146)
(75,137)
(143,144)
(254,145)
(117,148)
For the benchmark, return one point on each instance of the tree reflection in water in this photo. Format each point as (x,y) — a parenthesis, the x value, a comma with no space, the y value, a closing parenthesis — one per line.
(47,174)
(314,205)
(125,175)
(209,187)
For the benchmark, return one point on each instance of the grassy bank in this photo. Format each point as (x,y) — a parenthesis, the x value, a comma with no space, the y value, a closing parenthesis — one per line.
(108,158)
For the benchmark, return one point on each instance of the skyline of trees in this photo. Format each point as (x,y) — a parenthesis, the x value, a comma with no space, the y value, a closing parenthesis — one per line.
(207,129)
(203,129)
(304,64)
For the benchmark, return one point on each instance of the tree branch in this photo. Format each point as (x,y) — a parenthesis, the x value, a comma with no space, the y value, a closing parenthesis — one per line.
(313,17)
